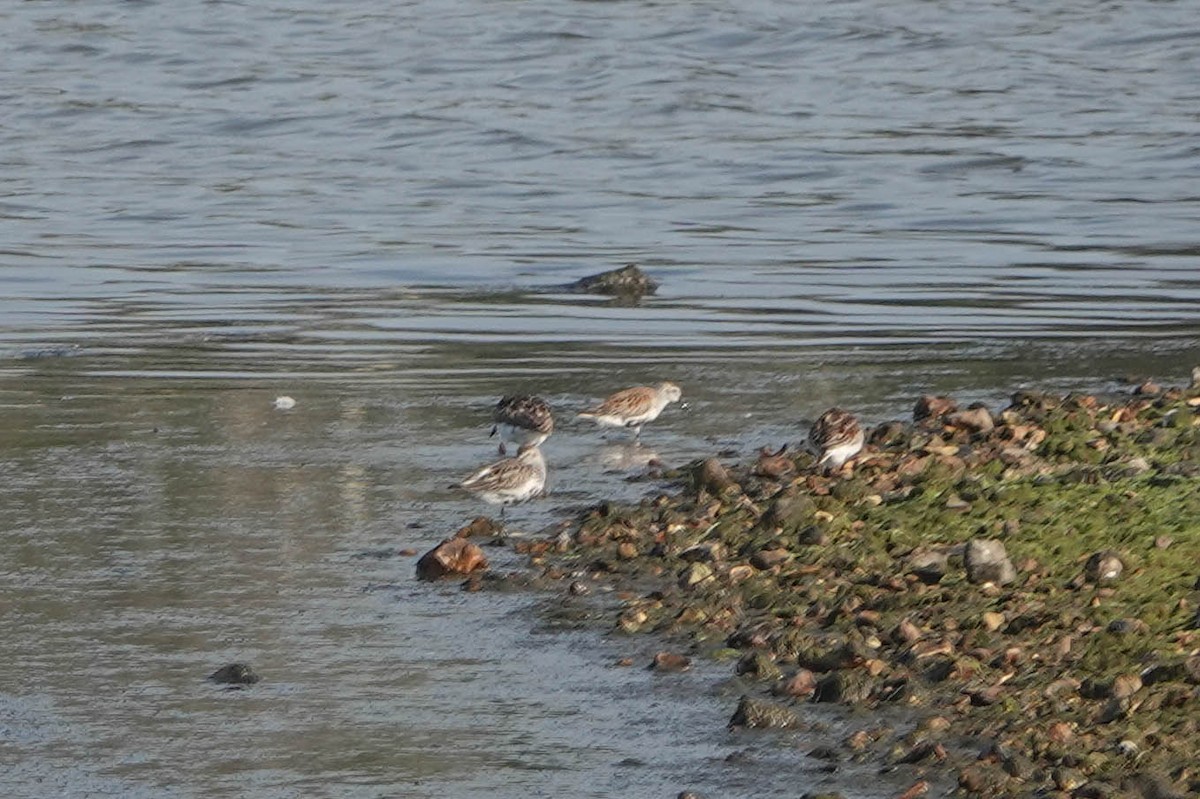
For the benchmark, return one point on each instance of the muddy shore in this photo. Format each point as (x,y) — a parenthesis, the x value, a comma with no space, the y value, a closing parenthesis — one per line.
(1021,587)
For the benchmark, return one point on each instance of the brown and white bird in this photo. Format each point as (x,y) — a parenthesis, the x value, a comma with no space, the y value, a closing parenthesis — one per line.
(836,437)
(511,480)
(522,420)
(633,407)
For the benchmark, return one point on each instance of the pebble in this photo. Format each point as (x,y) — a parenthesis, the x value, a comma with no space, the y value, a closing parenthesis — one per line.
(993,621)
(1103,566)
(987,561)
(284,403)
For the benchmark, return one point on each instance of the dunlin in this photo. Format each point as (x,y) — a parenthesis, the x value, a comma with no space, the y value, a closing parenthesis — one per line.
(522,420)
(633,407)
(511,480)
(836,438)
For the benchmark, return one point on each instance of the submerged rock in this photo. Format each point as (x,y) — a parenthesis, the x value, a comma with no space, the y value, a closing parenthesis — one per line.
(235,674)
(628,281)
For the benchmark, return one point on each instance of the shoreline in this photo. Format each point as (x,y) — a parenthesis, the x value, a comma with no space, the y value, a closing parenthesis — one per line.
(1021,585)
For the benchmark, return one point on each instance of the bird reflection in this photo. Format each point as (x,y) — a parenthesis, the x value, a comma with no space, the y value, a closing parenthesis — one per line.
(627,457)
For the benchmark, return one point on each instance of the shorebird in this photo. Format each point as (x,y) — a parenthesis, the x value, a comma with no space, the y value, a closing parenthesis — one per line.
(511,480)
(633,407)
(836,437)
(522,420)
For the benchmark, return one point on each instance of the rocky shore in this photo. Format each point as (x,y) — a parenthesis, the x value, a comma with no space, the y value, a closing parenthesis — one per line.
(1010,598)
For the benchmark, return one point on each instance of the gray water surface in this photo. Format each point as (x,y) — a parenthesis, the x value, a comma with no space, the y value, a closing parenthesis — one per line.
(373,207)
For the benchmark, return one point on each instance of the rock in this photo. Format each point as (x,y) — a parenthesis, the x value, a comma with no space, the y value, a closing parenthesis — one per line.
(706,552)
(918,788)
(929,566)
(921,750)
(628,281)
(1127,626)
(1067,779)
(235,674)
(1148,389)
(669,661)
(802,684)
(931,407)
(712,477)
(790,512)
(578,588)
(758,664)
(1060,732)
(987,561)
(907,632)
(695,574)
(977,779)
(627,550)
(766,558)
(755,713)
(479,526)
(1104,566)
(848,687)
(774,465)
(976,419)
(993,621)
(1126,685)
(452,557)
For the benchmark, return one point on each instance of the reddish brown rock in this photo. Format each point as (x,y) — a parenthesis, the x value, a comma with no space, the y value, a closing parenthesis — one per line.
(453,557)
(802,684)
(669,661)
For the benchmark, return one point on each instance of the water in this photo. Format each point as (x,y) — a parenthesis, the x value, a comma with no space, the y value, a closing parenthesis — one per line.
(372,207)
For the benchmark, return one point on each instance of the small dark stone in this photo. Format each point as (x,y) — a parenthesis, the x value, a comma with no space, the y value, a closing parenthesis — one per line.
(578,588)
(235,674)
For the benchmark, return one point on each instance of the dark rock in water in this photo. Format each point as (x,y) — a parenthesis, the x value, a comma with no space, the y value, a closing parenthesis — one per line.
(987,562)
(757,713)
(235,674)
(628,281)
(454,556)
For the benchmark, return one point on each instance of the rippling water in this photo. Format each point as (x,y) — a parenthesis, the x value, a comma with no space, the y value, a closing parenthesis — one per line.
(373,207)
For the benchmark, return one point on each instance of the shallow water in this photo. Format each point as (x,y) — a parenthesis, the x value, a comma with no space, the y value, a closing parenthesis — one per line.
(373,207)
